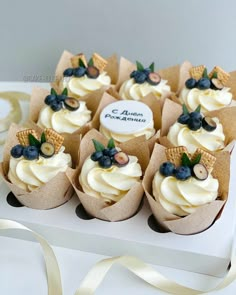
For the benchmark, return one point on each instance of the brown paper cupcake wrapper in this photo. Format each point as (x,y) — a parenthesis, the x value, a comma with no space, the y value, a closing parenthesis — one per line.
(128,205)
(204,216)
(52,194)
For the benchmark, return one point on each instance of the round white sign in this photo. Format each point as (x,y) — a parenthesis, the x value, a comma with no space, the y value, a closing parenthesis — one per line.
(126,117)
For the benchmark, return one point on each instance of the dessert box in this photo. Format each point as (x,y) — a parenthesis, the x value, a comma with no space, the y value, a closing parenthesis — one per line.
(69,226)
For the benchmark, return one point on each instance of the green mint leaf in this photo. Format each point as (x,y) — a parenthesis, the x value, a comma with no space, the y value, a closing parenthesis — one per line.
(81,63)
(43,138)
(90,63)
(198,109)
(204,75)
(53,91)
(152,66)
(99,147)
(185,110)
(196,160)
(111,143)
(34,141)
(139,66)
(65,91)
(214,76)
(185,160)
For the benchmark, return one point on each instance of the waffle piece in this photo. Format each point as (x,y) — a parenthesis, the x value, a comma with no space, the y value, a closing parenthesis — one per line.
(221,74)
(207,159)
(54,138)
(197,72)
(75,60)
(99,62)
(23,136)
(174,155)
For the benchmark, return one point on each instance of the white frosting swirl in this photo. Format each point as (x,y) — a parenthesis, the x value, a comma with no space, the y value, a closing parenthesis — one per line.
(184,197)
(149,131)
(209,99)
(64,120)
(131,90)
(109,184)
(29,175)
(80,86)
(181,135)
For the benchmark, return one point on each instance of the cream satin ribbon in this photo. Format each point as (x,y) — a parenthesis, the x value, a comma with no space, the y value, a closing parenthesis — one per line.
(52,268)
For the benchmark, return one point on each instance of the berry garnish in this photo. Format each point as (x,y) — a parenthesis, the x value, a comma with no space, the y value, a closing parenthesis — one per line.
(216,84)
(121,159)
(31,152)
(133,74)
(183,119)
(154,78)
(47,150)
(71,104)
(61,97)
(79,72)
(92,72)
(167,169)
(194,124)
(68,72)
(208,124)
(105,162)
(195,115)
(17,151)
(56,106)
(140,77)
(200,172)
(112,152)
(203,84)
(147,71)
(182,172)
(49,99)
(191,83)
(96,156)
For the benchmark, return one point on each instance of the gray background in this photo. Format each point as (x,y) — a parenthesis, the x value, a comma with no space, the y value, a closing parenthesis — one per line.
(34,33)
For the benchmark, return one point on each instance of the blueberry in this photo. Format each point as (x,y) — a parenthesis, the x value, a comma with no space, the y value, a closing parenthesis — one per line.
(68,72)
(79,72)
(167,169)
(105,162)
(140,77)
(146,71)
(61,97)
(96,156)
(183,172)
(195,115)
(183,119)
(204,84)
(50,99)
(191,83)
(133,74)
(17,151)
(31,152)
(194,124)
(56,106)
(112,152)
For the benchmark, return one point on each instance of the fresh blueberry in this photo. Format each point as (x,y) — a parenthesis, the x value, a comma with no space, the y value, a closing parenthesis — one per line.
(105,162)
(191,83)
(194,124)
(61,97)
(79,72)
(146,71)
(56,106)
(140,77)
(50,99)
(31,152)
(112,152)
(167,169)
(17,151)
(133,74)
(96,156)
(195,115)
(204,84)
(68,72)
(183,119)
(106,152)
(183,172)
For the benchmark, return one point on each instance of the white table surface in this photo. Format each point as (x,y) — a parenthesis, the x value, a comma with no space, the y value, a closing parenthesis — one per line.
(22,270)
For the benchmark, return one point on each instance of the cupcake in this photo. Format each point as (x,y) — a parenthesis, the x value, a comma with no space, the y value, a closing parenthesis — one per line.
(210,91)
(142,82)
(186,191)
(82,77)
(35,168)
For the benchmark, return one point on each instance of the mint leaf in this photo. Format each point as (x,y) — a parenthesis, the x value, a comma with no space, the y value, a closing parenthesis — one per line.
(152,66)
(34,141)
(81,63)
(139,66)
(214,75)
(198,109)
(99,147)
(53,91)
(65,91)
(185,110)
(90,63)
(185,160)
(111,143)
(43,138)
(204,75)
(196,160)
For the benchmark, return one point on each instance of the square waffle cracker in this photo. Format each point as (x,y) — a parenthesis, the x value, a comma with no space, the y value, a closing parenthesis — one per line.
(75,60)
(23,136)
(207,159)
(54,138)
(197,72)
(174,155)
(99,62)
(221,74)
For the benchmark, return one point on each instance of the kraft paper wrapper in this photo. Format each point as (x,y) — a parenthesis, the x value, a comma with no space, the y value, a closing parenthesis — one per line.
(204,216)
(52,194)
(172,110)
(65,62)
(129,204)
